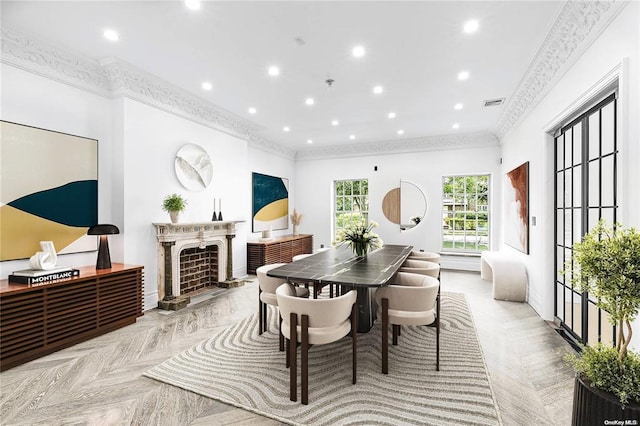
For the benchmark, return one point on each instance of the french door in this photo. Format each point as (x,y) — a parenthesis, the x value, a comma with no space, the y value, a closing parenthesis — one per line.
(586,158)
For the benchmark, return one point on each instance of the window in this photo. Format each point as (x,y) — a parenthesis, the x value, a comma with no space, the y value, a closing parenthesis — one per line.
(465,213)
(351,202)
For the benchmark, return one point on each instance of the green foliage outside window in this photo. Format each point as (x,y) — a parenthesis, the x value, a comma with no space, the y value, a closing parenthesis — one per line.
(465,213)
(351,202)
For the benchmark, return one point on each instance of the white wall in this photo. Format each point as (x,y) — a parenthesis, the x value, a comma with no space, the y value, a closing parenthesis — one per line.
(615,52)
(314,189)
(40,102)
(151,140)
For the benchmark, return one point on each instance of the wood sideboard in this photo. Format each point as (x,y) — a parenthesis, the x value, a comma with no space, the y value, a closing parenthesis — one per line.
(38,319)
(279,250)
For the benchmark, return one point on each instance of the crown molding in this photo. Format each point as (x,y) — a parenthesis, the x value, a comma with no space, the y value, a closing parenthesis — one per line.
(578,24)
(113,78)
(428,143)
(35,56)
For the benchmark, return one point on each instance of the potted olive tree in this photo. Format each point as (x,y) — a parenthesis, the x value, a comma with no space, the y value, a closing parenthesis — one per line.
(606,264)
(174,204)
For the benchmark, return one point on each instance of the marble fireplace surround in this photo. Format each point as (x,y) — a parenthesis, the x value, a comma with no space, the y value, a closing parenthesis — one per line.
(175,237)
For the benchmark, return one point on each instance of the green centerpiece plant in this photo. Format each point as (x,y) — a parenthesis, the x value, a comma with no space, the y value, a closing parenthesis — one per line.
(606,264)
(174,204)
(359,236)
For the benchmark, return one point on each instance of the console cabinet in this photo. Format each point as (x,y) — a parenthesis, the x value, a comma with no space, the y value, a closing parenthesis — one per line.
(279,250)
(39,319)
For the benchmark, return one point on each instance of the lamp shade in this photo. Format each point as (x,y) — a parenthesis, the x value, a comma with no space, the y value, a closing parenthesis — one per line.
(104,258)
(103,229)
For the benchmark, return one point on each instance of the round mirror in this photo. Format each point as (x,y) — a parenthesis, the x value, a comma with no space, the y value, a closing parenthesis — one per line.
(413,205)
(405,206)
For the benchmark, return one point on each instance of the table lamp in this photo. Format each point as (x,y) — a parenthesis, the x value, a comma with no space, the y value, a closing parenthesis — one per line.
(104,259)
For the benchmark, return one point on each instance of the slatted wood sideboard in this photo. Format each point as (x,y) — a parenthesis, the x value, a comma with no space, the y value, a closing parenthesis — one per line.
(280,250)
(38,319)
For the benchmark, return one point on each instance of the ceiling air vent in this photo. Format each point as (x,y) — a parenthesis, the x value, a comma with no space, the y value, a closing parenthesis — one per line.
(493,102)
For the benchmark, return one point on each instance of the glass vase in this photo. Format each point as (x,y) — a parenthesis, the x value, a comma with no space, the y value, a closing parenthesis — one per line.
(360,248)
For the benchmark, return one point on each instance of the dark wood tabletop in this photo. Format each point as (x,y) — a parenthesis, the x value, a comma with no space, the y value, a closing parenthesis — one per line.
(341,266)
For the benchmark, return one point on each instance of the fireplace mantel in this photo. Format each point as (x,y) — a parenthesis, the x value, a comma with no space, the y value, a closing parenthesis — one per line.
(167,232)
(175,237)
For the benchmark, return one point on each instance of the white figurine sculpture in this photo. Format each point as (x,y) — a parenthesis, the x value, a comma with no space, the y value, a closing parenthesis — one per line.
(45,259)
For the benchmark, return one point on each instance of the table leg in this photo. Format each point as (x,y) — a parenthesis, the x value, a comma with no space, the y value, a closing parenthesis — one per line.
(366,305)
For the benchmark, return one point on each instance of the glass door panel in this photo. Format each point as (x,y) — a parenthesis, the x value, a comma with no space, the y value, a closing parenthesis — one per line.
(586,185)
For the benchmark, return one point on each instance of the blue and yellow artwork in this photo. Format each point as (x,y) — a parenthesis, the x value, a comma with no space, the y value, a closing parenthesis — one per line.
(48,191)
(270,203)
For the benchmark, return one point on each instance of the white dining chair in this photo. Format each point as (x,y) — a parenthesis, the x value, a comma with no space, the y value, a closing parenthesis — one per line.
(425,255)
(421,267)
(314,322)
(267,296)
(411,300)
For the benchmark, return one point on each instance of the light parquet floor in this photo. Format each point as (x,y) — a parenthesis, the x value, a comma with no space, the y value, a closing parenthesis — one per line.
(100,382)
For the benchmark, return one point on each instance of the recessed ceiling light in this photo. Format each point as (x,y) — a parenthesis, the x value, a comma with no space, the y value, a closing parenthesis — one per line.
(463,75)
(335,122)
(252,110)
(358,51)
(309,141)
(378,89)
(471,26)
(207,85)
(273,71)
(391,115)
(401,132)
(111,35)
(192,4)
(457,106)
(455,126)
(286,129)
(352,137)
(309,101)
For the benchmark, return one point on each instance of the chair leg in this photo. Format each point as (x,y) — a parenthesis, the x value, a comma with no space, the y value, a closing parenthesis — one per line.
(396,333)
(260,308)
(293,368)
(304,362)
(438,332)
(385,336)
(331,291)
(286,354)
(354,333)
(280,336)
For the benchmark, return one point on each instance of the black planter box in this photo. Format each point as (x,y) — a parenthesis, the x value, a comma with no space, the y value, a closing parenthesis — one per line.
(593,407)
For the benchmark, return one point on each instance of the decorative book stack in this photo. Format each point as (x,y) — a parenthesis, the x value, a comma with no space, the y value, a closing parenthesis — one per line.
(38,276)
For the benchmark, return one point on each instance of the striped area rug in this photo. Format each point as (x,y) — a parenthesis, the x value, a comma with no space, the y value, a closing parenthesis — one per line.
(244,369)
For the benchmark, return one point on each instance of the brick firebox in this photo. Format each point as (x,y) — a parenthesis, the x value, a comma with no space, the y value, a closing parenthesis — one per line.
(198,268)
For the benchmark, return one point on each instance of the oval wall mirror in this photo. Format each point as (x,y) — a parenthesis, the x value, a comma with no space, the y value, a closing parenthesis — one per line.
(405,206)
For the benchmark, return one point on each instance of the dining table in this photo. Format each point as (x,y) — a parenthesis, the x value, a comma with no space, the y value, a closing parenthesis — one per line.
(341,267)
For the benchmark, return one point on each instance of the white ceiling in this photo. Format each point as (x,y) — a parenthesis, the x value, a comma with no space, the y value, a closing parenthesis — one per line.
(414,49)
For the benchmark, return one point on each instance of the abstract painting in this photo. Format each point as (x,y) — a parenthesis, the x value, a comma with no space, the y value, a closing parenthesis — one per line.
(48,190)
(270,203)
(517,208)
